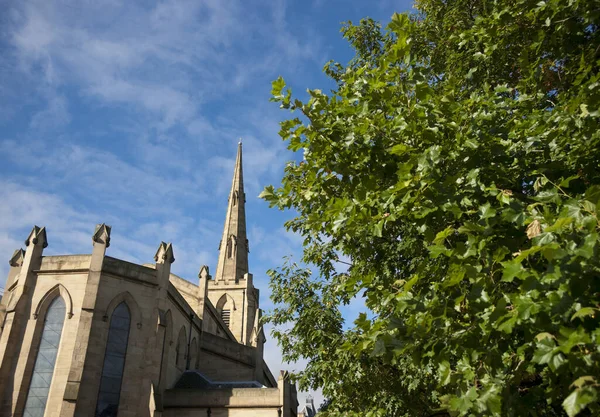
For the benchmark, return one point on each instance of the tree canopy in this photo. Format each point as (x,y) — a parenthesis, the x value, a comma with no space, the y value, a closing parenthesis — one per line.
(457,165)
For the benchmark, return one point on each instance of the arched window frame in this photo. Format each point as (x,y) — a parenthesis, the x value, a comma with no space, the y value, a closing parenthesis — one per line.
(134,326)
(194,354)
(58,290)
(226,301)
(166,320)
(117,353)
(231,245)
(45,305)
(181,349)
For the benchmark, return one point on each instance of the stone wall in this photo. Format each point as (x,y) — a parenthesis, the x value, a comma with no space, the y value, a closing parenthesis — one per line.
(165,325)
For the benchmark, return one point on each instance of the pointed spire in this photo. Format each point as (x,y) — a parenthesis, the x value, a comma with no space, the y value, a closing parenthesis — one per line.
(233,250)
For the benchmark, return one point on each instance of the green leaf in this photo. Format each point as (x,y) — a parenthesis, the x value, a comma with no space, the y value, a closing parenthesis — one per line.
(379,348)
(399,149)
(593,194)
(440,237)
(378,228)
(560,224)
(565,183)
(582,380)
(587,249)
(437,250)
(579,400)
(461,404)
(277,87)
(508,324)
(500,253)
(444,372)
(471,72)
(504,197)
(487,211)
(423,91)
(470,227)
(584,312)
(399,23)
(545,351)
(456,273)
(556,361)
(491,401)
(547,196)
(511,270)
(268,194)
(544,335)
(502,89)
(589,207)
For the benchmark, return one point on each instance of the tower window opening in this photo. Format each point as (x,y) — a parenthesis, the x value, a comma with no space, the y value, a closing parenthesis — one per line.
(229,250)
(226,316)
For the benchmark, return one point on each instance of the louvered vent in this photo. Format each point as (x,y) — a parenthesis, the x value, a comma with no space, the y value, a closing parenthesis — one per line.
(226,315)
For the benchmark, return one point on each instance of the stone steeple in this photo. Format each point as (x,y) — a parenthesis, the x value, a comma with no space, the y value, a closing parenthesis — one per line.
(233,249)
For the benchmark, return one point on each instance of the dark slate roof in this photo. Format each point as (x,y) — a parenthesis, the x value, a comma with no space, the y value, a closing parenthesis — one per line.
(195,380)
(190,380)
(308,411)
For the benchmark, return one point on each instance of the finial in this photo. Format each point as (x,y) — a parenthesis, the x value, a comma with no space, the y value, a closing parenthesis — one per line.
(164,253)
(102,234)
(240,142)
(204,272)
(36,234)
(17,258)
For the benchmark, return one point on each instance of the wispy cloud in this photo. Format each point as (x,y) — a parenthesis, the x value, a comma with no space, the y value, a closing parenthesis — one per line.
(168,60)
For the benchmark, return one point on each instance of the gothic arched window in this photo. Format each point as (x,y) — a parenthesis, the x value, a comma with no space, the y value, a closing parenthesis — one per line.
(224,307)
(114,362)
(180,349)
(193,354)
(229,249)
(43,370)
(231,244)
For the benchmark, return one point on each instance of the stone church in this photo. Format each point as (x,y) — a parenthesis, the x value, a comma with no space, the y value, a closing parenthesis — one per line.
(92,335)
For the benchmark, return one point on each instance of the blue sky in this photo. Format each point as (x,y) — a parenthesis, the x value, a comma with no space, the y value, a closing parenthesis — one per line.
(129,112)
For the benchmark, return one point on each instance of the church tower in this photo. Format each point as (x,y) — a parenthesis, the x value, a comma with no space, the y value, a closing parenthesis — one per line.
(233,249)
(231,290)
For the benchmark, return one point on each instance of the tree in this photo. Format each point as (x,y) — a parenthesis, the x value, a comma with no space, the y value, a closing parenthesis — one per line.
(457,164)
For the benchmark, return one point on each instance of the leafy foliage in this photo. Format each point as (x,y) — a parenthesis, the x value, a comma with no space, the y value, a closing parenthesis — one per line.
(457,164)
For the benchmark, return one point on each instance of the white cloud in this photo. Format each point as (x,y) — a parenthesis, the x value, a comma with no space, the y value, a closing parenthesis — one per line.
(103,177)
(22,208)
(70,230)
(165,59)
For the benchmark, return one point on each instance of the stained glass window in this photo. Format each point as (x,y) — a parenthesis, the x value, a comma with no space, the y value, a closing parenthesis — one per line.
(45,360)
(114,362)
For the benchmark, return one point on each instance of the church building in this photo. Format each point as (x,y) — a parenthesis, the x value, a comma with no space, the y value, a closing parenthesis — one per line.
(93,335)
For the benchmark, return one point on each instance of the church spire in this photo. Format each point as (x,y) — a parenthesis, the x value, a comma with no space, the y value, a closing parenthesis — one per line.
(233,250)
